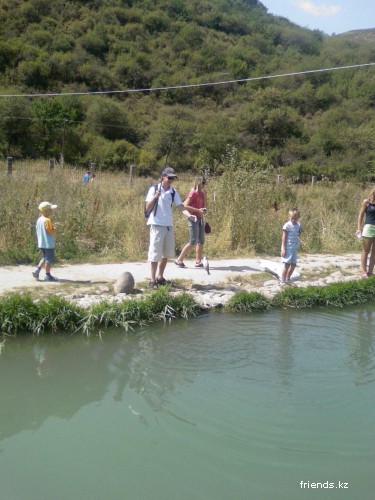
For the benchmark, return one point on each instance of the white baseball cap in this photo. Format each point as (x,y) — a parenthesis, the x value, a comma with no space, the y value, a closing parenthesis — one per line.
(46,205)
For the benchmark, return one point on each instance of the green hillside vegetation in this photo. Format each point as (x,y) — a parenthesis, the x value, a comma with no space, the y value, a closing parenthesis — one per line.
(314,124)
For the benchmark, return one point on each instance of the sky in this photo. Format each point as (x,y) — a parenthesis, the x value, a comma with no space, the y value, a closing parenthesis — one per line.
(329,16)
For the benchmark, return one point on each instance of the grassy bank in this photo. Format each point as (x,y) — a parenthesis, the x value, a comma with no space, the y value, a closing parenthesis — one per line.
(19,314)
(104,220)
(335,295)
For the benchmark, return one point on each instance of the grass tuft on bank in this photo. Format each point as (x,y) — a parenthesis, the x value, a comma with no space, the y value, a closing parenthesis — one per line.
(157,305)
(20,314)
(246,302)
(335,295)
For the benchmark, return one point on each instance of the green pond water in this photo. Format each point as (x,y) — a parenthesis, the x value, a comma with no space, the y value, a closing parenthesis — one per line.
(219,407)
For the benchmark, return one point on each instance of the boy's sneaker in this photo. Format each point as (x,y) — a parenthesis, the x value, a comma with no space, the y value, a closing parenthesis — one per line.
(35,273)
(49,277)
(283,283)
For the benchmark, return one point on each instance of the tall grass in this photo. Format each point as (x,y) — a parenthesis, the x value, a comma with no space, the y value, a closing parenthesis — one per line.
(335,295)
(104,220)
(250,211)
(20,314)
(101,220)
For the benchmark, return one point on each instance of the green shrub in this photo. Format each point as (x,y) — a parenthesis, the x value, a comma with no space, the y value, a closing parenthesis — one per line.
(337,295)
(157,305)
(57,315)
(123,314)
(249,302)
(18,314)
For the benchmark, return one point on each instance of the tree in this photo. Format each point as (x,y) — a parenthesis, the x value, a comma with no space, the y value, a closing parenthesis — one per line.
(54,118)
(109,119)
(15,126)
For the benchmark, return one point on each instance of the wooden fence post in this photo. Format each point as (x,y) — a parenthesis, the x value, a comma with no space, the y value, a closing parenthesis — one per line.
(10,165)
(132,168)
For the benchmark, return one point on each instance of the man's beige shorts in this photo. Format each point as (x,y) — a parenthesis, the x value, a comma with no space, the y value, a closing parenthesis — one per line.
(162,243)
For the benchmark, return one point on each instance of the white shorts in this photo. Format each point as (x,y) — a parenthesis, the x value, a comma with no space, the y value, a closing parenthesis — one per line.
(161,243)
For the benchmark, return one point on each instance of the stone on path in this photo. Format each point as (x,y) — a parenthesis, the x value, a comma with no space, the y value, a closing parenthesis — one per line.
(125,283)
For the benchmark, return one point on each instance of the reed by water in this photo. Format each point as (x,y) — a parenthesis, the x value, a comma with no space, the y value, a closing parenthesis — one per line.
(20,314)
(104,221)
(335,295)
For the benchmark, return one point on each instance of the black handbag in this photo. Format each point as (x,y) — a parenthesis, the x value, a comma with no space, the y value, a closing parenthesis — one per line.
(207,228)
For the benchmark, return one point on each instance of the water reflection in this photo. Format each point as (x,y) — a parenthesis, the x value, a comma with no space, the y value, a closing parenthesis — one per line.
(44,377)
(49,377)
(361,347)
(284,359)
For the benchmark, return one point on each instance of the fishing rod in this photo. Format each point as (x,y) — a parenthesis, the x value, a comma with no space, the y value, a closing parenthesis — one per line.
(171,141)
(169,148)
(155,206)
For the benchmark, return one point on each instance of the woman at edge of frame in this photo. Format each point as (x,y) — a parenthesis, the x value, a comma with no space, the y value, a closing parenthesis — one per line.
(195,203)
(367,231)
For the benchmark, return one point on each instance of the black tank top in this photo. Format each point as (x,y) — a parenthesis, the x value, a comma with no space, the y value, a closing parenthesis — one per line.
(370,214)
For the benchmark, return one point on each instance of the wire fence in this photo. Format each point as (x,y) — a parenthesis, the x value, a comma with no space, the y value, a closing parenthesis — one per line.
(24,169)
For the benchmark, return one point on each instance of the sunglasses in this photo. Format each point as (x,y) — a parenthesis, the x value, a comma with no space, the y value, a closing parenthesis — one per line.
(171,178)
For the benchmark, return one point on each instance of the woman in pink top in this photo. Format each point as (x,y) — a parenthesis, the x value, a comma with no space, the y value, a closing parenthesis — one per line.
(195,203)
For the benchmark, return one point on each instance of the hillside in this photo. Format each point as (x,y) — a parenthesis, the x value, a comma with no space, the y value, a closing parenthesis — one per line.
(318,123)
(360,35)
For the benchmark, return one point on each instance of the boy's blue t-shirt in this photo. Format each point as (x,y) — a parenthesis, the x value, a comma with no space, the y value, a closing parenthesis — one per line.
(44,238)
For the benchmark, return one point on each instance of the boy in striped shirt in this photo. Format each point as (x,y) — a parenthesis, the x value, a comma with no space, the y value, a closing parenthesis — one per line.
(45,232)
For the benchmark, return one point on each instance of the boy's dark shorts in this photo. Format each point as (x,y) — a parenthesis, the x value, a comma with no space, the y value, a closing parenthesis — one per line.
(48,255)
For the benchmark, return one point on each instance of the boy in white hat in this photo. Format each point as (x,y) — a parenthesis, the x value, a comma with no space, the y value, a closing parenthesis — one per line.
(45,232)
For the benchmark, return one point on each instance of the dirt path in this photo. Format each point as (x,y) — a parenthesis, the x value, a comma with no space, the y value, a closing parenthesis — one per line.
(19,278)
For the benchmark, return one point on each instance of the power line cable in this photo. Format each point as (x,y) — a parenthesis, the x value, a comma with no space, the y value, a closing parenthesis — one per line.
(190,85)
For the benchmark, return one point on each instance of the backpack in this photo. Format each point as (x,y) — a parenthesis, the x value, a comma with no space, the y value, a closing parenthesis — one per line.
(155,206)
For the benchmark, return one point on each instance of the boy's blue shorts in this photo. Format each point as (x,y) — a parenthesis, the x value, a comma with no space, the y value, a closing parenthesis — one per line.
(48,255)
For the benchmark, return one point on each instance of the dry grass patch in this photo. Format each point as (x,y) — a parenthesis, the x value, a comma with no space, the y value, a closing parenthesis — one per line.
(104,221)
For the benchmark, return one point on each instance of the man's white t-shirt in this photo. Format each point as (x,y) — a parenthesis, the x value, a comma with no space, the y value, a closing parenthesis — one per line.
(164,213)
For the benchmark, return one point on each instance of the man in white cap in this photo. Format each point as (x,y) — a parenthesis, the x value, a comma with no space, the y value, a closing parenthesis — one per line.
(45,232)
(159,201)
